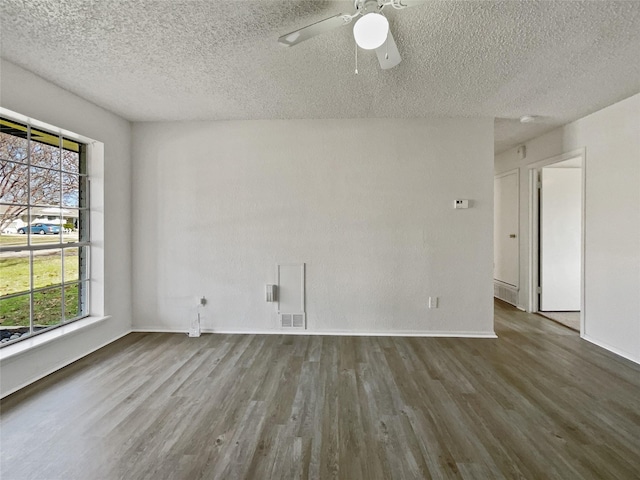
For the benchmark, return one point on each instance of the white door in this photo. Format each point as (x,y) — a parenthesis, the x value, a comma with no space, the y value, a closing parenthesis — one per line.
(560,239)
(505,229)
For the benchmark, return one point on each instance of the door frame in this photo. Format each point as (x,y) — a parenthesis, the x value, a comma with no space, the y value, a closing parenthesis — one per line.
(534,233)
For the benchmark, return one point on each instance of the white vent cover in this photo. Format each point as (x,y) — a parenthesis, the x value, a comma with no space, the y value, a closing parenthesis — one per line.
(505,293)
(292,320)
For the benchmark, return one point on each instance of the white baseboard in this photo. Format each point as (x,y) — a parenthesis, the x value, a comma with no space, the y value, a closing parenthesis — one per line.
(611,349)
(332,333)
(160,330)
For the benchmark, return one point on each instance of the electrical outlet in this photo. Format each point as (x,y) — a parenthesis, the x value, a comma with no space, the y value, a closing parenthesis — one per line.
(433,302)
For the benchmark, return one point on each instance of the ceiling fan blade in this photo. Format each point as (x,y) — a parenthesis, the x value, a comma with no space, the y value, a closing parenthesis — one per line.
(314,29)
(388,54)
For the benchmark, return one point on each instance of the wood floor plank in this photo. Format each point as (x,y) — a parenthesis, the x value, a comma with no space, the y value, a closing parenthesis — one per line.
(538,402)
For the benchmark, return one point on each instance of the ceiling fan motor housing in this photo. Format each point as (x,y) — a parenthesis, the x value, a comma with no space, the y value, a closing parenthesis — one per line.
(368,6)
(371,29)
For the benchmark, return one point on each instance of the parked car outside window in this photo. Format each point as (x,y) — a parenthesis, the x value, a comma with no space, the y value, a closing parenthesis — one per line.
(41,228)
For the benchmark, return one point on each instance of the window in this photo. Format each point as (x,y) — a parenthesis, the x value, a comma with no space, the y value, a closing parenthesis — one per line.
(44,230)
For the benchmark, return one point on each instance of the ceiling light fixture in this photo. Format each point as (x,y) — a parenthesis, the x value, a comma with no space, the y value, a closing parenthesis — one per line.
(528,118)
(371,31)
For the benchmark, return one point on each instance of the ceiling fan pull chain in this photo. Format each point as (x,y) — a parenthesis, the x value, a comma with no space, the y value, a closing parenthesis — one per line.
(356,58)
(386,48)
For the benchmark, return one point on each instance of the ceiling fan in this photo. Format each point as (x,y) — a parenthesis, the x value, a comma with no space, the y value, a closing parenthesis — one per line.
(371,31)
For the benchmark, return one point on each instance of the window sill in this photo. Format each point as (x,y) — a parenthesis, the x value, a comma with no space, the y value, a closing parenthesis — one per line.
(41,339)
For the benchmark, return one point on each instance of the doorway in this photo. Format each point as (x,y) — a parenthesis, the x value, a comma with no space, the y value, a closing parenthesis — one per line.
(506,246)
(558,231)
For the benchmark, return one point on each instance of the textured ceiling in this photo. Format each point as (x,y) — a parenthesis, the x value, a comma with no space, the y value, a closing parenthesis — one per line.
(212,59)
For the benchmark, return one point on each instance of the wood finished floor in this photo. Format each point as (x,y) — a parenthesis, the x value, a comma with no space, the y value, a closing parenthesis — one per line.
(537,403)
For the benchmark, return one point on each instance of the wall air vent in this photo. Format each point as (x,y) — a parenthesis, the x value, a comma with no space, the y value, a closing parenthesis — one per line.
(292,320)
(506,293)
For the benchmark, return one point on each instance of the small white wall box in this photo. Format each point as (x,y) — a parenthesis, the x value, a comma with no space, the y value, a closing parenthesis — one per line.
(194,329)
(270,293)
(522,151)
(461,204)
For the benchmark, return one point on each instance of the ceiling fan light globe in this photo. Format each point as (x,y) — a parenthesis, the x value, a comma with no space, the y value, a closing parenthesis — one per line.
(371,31)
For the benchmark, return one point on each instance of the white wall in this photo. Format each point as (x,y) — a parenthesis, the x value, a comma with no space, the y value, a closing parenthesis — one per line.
(612,239)
(28,94)
(366,204)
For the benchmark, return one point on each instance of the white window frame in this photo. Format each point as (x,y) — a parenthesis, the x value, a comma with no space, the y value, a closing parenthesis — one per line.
(95,241)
